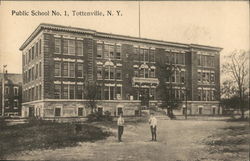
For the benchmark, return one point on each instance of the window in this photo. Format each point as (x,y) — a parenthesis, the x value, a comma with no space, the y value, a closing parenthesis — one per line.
(65,69)
(79,72)
(146,71)
(57,91)
(152,56)
(106,51)
(65,91)
(152,94)
(106,93)
(99,72)
(40,69)
(36,47)
(32,53)
(106,73)
(80,111)
(212,61)
(6,90)
(79,92)
(100,110)
(57,68)
(112,92)
(71,91)
(29,55)
(32,73)
(40,92)
(99,93)
(15,91)
(212,78)
(136,73)
(199,76)
(118,93)
(57,46)
(146,55)
(203,95)
(57,111)
(141,55)
(177,76)
(79,49)
(65,47)
(111,73)
(173,77)
(207,77)
(118,74)
(203,77)
(118,52)
(111,51)
(72,70)
(136,54)
(109,93)
(15,103)
(168,58)
(99,50)
(182,77)
(36,73)
(71,47)
(119,111)
(39,46)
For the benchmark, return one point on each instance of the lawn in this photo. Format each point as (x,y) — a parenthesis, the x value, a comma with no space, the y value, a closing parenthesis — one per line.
(232,141)
(46,135)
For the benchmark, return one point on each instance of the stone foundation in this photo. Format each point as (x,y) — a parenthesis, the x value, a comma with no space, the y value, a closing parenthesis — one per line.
(71,108)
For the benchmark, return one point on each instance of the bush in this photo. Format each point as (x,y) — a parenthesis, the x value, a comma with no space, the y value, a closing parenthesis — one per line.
(36,121)
(95,117)
(3,123)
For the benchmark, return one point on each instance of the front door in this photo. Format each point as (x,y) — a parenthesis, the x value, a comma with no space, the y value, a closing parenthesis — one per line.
(119,111)
(144,93)
(200,111)
(31,112)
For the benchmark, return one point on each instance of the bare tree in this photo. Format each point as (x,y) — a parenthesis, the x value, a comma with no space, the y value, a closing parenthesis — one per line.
(91,92)
(166,91)
(237,68)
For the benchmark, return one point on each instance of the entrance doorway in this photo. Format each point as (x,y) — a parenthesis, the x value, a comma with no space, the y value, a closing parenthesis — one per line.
(144,97)
(31,112)
(200,110)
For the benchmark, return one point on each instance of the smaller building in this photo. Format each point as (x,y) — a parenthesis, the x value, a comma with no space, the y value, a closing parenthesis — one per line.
(12,94)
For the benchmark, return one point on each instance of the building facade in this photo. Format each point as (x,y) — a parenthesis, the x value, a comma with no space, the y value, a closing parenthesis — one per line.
(59,60)
(12,94)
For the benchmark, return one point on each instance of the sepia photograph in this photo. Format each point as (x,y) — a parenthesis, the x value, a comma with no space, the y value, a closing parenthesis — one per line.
(124,80)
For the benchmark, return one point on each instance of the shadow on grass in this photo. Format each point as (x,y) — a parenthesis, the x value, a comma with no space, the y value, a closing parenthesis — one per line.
(231,139)
(46,135)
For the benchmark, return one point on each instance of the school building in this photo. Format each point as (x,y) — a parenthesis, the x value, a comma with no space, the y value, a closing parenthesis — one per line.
(59,60)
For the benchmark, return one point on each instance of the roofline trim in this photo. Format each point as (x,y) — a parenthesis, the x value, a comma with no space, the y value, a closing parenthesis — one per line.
(109,35)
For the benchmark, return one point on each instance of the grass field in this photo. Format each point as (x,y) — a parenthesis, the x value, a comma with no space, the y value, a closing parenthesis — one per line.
(45,135)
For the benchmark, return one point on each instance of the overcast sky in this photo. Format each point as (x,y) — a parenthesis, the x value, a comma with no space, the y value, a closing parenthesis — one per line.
(224,24)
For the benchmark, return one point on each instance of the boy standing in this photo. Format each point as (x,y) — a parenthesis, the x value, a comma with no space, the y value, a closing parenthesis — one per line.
(120,124)
(153,123)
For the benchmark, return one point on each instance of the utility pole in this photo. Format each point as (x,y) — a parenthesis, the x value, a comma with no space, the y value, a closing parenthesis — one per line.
(186,102)
(3,89)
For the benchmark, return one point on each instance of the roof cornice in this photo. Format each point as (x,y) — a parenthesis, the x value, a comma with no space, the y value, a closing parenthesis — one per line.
(108,35)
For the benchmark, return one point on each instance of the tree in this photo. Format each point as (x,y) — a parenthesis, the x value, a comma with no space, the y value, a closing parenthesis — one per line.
(91,91)
(168,99)
(237,68)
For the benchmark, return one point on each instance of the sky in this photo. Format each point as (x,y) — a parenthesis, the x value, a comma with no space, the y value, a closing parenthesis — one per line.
(222,24)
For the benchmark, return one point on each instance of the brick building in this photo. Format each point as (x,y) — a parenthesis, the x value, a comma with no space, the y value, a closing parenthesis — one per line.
(59,60)
(12,94)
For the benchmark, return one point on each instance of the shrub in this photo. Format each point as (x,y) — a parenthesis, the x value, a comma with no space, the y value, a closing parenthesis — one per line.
(36,121)
(95,117)
(3,123)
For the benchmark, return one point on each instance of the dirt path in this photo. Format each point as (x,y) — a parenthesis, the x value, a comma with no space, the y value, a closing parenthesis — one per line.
(177,140)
